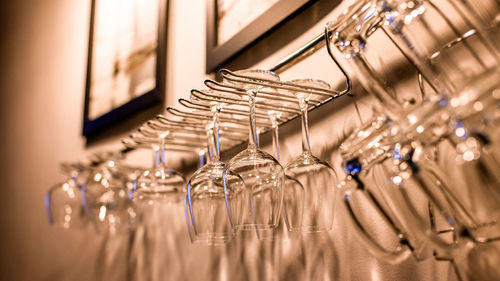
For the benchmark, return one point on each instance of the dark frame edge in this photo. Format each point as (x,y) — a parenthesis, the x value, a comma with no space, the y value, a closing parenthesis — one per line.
(137,104)
(254,32)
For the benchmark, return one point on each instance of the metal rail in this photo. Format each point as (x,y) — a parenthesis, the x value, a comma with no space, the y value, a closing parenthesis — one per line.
(308,49)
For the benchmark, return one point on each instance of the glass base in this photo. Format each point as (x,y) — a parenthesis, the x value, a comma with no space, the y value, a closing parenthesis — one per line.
(253,227)
(214,239)
(310,229)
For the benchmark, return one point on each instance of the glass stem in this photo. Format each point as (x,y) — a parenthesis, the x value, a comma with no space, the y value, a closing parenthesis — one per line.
(253,141)
(216,134)
(213,136)
(203,159)
(210,143)
(74,174)
(156,156)
(162,151)
(306,146)
(276,146)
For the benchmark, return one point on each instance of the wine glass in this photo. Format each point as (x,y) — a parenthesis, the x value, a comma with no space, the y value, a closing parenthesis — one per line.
(107,199)
(229,103)
(205,223)
(276,108)
(365,159)
(159,183)
(293,193)
(201,162)
(257,203)
(205,193)
(316,176)
(64,202)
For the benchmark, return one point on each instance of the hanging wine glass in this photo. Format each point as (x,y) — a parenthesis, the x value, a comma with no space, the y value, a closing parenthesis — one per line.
(201,162)
(365,156)
(107,200)
(293,193)
(228,132)
(132,173)
(233,102)
(64,203)
(216,102)
(205,193)
(160,183)
(316,176)
(255,204)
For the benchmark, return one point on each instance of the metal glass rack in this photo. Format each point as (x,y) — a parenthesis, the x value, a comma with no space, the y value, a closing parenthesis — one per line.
(185,132)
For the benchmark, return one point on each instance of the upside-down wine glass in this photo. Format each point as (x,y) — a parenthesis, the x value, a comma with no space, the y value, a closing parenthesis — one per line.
(202,161)
(232,104)
(272,109)
(316,176)
(107,200)
(63,201)
(160,183)
(255,204)
(293,193)
(205,193)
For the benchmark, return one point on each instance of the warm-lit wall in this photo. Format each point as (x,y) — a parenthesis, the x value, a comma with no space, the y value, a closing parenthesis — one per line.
(44,52)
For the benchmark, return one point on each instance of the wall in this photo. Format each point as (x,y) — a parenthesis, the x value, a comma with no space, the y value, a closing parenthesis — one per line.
(44,51)
(43,61)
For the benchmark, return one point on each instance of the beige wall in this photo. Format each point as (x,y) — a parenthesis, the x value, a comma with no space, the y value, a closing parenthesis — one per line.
(44,55)
(43,74)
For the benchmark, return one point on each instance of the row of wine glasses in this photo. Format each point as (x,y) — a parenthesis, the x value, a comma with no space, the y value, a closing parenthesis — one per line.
(244,194)
(111,194)
(248,192)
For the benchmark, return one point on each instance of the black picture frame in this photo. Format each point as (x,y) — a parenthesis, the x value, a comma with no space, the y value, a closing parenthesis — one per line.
(156,96)
(263,27)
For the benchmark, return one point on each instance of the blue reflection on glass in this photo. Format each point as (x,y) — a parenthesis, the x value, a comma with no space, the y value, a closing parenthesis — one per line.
(47,208)
(353,167)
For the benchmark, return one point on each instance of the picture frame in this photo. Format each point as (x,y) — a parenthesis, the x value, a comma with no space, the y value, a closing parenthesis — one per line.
(144,64)
(262,26)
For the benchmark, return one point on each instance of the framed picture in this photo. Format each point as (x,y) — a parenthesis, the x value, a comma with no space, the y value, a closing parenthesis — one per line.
(126,60)
(234,25)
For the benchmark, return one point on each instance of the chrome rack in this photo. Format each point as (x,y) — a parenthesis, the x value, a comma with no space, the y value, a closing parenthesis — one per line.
(187,133)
